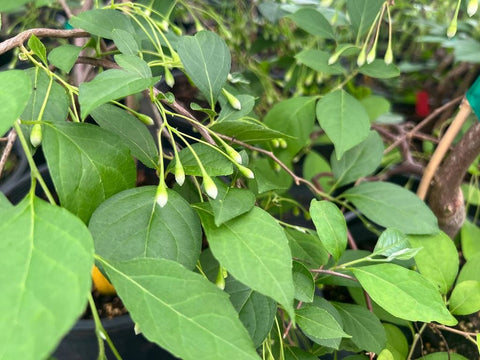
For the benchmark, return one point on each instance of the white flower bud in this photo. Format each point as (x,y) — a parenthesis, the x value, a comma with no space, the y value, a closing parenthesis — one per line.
(161,196)
(209,186)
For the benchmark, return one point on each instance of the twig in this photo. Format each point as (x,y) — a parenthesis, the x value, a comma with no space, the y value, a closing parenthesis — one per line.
(443,147)
(334,273)
(468,335)
(12,135)
(19,39)
(107,64)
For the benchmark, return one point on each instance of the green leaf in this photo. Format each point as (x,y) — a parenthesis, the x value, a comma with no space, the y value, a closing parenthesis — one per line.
(232,203)
(318,61)
(295,353)
(376,106)
(45,263)
(207,62)
(56,109)
(378,69)
(469,235)
(268,179)
(197,319)
(133,132)
(134,64)
(314,164)
(295,117)
(470,270)
(214,163)
(471,194)
(391,205)
(111,85)
(396,342)
(246,130)
(465,298)
(326,305)
(230,114)
(254,248)
(15,90)
(331,226)
(437,260)
(317,323)
(125,42)
(391,241)
(364,327)
(344,120)
(359,161)
(8,5)
(362,14)
(87,165)
(256,311)
(307,248)
(403,293)
(313,22)
(131,225)
(443,356)
(64,56)
(303,282)
(4,203)
(102,22)
(38,48)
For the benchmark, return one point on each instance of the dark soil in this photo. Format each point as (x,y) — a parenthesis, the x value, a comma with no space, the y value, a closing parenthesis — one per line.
(108,306)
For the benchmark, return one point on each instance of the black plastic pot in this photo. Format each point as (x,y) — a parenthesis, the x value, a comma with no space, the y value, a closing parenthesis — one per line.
(81,343)
(10,181)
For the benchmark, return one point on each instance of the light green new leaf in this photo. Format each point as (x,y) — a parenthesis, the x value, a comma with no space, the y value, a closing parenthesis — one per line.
(247,131)
(131,225)
(391,205)
(378,69)
(396,342)
(87,164)
(362,14)
(344,120)
(318,323)
(132,131)
(125,42)
(376,106)
(15,90)
(232,203)
(470,238)
(437,260)
(470,270)
(256,311)
(214,163)
(295,117)
(465,298)
(364,327)
(254,248)
(111,85)
(38,48)
(307,248)
(443,356)
(331,226)
(313,22)
(207,62)
(45,264)
(391,241)
(8,5)
(359,161)
(403,293)
(304,282)
(180,310)
(318,61)
(4,203)
(102,22)
(64,56)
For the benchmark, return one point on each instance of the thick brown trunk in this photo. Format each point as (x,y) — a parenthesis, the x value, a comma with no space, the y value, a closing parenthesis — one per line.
(445,197)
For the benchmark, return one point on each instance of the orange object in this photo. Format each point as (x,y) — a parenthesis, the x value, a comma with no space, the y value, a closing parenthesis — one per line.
(101,283)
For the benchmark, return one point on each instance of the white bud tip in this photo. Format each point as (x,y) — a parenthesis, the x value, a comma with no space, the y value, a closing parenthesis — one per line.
(180,179)
(249,173)
(137,329)
(210,187)
(472,7)
(162,198)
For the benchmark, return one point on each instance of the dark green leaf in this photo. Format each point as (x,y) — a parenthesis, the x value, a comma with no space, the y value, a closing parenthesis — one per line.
(364,327)
(102,22)
(246,130)
(378,69)
(465,298)
(268,179)
(317,323)
(230,114)
(197,319)
(45,264)
(344,120)
(134,64)
(232,203)
(87,165)
(359,161)
(331,226)
(206,59)
(318,61)
(15,90)
(125,42)
(396,342)
(437,260)
(362,14)
(294,353)
(132,131)
(64,56)
(254,248)
(131,225)
(391,205)
(313,22)
(256,311)
(376,106)
(9,5)
(304,283)
(403,293)
(307,248)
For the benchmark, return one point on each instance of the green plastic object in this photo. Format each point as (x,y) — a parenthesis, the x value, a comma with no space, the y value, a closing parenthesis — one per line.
(473,97)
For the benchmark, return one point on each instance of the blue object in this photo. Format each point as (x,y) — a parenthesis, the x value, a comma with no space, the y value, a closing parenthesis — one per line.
(473,97)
